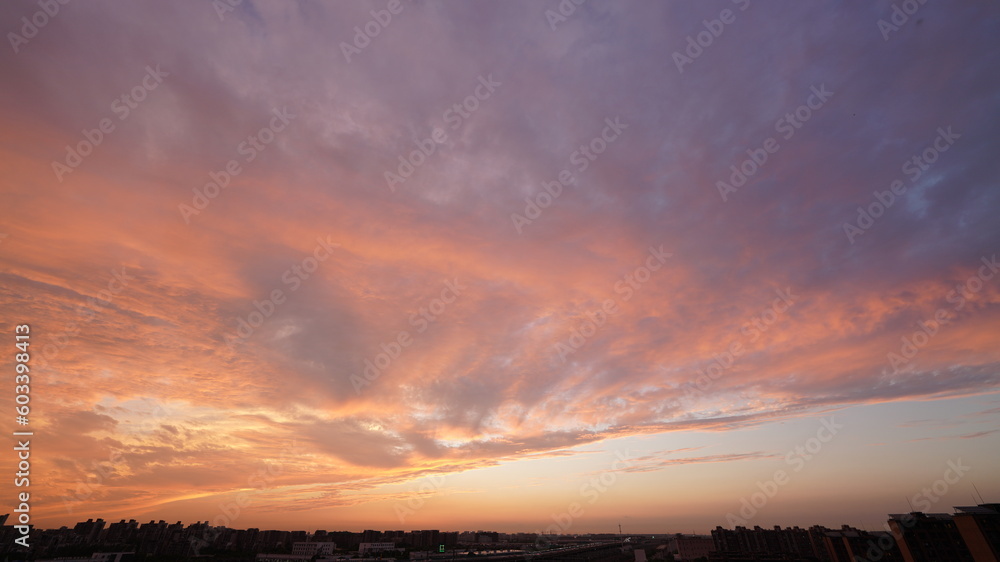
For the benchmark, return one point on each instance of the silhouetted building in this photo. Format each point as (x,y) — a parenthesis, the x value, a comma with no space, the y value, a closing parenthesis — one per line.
(370,547)
(89,530)
(928,537)
(487,537)
(345,539)
(425,540)
(394,536)
(274,540)
(792,541)
(817,542)
(854,545)
(121,532)
(689,547)
(113,557)
(314,548)
(266,557)
(980,529)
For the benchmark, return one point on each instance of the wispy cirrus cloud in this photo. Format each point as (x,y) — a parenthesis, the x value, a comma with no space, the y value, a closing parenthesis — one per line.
(481,383)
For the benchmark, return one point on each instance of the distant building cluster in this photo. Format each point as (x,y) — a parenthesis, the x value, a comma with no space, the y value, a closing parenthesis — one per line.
(128,541)
(972,534)
(794,543)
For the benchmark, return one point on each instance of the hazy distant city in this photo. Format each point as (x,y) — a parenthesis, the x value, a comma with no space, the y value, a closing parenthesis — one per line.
(971,534)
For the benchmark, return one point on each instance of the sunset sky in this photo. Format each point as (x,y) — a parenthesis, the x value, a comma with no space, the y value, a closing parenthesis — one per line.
(439,265)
